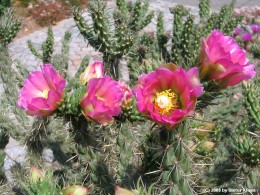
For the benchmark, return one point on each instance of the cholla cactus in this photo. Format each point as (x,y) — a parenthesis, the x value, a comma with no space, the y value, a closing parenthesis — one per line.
(138,13)
(251,92)
(204,10)
(47,48)
(9,26)
(186,36)
(114,44)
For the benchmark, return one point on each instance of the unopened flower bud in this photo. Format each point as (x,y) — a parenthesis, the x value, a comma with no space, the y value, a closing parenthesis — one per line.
(36,174)
(94,70)
(123,191)
(75,190)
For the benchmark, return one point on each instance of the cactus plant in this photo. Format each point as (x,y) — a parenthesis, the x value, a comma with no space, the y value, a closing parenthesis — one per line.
(113,45)
(187,35)
(9,26)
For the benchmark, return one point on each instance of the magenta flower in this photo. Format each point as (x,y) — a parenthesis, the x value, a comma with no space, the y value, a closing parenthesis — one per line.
(42,92)
(127,94)
(168,97)
(247,37)
(102,100)
(94,70)
(255,28)
(238,31)
(223,61)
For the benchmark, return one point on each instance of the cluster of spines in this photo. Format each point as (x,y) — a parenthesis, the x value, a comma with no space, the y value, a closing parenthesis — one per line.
(225,22)
(140,16)
(176,35)
(162,38)
(145,43)
(252,102)
(248,150)
(116,42)
(232,24)
(166,156)
(187,52)
(124,154)
(84,28)
(136,15)
(61,61)
(204,7)
(9,26)
(101,28)
(112,43)
(3,5)
(176,163)
(186,36)
(210,24)
(11,82)
(47,48)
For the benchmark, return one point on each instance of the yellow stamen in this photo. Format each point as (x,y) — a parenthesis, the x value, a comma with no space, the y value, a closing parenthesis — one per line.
(100,98)
(44,93)
(166,102)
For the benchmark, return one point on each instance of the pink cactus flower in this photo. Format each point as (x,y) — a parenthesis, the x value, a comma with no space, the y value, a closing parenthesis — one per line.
(238,31)
(223,61)
(102,100)
(42,92)
(94,70)
(168,97)
(255,28)
(127,94)
(247,37)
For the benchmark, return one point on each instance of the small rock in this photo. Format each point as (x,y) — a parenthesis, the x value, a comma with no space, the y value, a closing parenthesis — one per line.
(15,154)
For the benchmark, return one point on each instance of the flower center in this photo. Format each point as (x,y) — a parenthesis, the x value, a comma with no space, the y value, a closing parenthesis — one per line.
(100,98)
(166,101)
(44,93)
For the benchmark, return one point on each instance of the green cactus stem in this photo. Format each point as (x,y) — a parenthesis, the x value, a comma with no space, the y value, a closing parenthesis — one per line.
(9,26)
(187,52)
(177,33)
(113,42)
(204,6)
(252,102)
(34,140)
(162,38)
(47,48)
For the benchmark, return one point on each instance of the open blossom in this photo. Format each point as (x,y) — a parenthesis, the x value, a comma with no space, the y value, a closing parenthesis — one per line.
(223,61)
(42,92)
(247,37)
(94,70)
(255,28)
(127,94)
(168,96)
(102,100)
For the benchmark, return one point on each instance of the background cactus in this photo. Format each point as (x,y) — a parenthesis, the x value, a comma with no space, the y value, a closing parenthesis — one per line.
(114,44)
(9,26)
(186,36)
(4,4)
(47,48)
